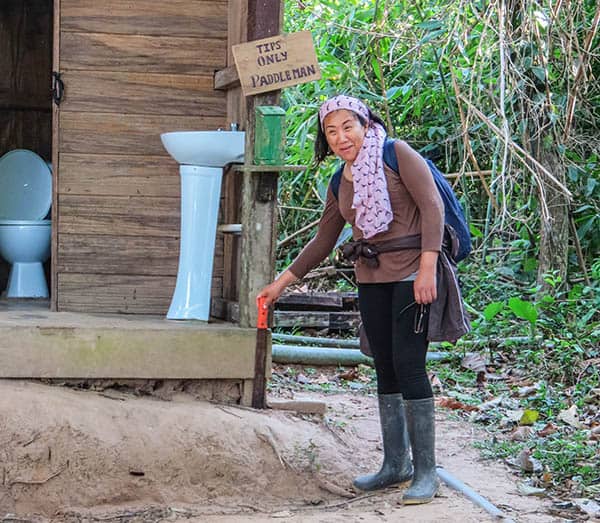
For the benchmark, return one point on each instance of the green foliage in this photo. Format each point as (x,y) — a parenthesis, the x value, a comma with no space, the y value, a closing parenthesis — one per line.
(569,458)
(447,81)
(523,309)
(465,81)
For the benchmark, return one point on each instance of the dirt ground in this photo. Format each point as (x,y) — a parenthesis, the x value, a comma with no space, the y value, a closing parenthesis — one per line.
(82,456)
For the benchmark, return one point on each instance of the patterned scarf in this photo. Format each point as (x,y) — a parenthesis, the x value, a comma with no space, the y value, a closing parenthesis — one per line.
(371,198)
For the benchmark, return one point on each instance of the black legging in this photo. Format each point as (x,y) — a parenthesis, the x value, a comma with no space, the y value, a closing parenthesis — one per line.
(388,314)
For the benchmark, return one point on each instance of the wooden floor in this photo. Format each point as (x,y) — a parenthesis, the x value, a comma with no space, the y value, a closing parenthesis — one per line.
(36,313)
(38,343)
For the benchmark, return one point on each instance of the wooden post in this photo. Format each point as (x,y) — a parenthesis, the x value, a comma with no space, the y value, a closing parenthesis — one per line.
(259,200)
(259,190)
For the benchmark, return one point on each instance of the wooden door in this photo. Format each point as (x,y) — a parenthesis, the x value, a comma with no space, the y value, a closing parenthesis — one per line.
(131,71)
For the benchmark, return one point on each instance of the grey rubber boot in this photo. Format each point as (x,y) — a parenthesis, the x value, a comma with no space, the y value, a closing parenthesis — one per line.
(420,420)
(396,466)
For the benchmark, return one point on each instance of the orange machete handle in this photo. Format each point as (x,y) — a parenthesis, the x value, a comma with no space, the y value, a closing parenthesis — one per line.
(263,314)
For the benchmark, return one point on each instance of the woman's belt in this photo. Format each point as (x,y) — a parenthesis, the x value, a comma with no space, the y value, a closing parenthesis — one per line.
(369,251)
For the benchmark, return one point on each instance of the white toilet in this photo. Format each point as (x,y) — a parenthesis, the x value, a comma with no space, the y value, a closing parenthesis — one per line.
(25,200)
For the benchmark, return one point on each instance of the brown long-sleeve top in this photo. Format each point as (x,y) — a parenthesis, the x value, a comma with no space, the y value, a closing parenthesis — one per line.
(417,208)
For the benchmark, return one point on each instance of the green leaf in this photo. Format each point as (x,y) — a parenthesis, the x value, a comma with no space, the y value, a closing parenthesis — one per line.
(540,72)
(493,309)
(523,309)
(529,417)
(591,185)
(376,68)
(529,264)
(573,172)
(475,231)
(393,93)
(430,25)
(576,292)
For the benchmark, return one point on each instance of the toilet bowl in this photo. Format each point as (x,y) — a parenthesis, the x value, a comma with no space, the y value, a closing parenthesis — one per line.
(25,199)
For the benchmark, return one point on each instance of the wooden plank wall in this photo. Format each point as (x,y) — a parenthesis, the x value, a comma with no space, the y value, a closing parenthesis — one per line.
(132,70)
(25,79)
(232,186)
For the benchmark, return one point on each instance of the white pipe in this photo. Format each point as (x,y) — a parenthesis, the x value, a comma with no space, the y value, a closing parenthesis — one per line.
(470,494)
(324,342)
(332,356)
(353,342)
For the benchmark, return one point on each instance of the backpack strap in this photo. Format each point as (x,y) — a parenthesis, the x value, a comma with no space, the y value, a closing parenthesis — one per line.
(334,181)
(389,155)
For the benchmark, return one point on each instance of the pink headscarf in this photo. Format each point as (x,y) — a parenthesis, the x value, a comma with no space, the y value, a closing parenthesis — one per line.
(371,198)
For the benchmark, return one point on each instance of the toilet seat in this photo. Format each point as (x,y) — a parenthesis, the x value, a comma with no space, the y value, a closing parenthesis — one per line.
(26,187)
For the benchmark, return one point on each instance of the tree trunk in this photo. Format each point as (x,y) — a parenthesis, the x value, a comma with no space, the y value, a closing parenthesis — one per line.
(554,231)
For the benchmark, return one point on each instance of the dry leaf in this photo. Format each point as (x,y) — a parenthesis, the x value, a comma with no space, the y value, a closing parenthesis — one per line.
(514,415)
(527,490)
(495,377)
(436,383)
(349,375)
(520,434)
(550,428)
(322,379)
(491,404)
(481,380)
(474,362)
(590,507)
(301,378)
(454,404)
(570,416)
(528,390)
(594,396)
(527,462)
(547,477)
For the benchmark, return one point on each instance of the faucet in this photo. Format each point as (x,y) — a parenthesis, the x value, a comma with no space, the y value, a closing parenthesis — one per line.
(234,126)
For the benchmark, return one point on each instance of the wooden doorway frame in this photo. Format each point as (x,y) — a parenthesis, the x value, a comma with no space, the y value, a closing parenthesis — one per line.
(55,163)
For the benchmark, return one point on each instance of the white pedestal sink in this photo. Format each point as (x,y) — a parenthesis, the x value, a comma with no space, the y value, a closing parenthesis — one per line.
(202,156)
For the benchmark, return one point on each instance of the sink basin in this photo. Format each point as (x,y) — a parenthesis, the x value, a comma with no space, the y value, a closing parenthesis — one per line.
(206,148)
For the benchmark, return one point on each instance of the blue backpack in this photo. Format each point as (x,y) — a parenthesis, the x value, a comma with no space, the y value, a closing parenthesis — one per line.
(454,215)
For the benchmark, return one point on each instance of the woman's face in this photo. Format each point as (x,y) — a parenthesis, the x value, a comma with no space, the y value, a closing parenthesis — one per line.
(344,133)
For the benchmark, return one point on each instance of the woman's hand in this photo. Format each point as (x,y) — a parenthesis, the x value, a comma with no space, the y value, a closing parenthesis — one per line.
(425,286)
(272,291)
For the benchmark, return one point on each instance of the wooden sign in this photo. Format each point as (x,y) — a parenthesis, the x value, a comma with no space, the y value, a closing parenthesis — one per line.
(276,62)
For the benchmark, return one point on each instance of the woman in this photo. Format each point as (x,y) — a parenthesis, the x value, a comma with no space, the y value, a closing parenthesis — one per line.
(394,291)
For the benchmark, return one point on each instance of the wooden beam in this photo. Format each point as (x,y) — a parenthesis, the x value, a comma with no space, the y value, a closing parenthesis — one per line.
(227,78)
(317,301)
(142,93)
(147,17)
(55,165)
(336,320)
(130,53)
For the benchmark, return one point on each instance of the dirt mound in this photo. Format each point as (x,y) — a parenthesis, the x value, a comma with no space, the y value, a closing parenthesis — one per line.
(74,456)
(61,449)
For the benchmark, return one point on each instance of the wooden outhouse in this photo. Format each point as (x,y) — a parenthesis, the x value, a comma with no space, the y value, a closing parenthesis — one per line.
(90,86)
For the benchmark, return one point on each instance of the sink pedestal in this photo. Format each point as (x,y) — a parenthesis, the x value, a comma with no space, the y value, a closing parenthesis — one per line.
(200,196)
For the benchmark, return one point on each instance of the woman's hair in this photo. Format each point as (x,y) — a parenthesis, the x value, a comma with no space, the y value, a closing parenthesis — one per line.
(322,149)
